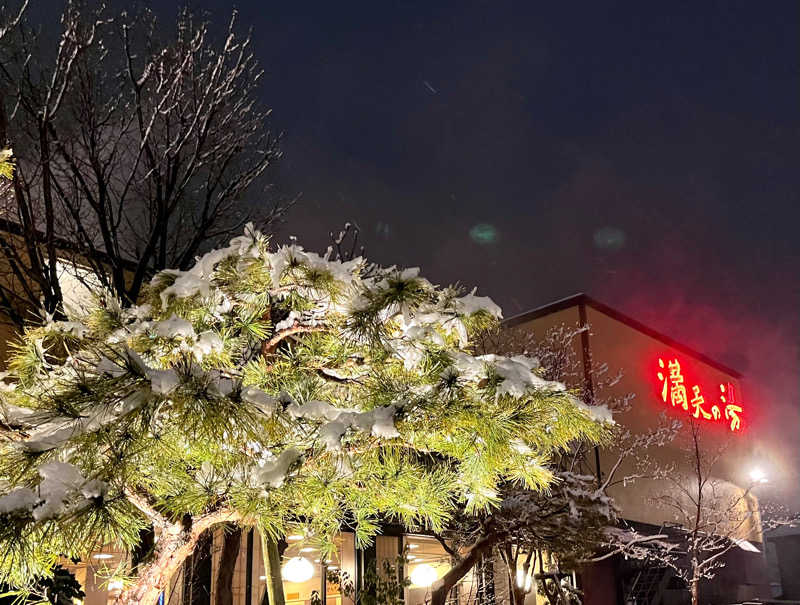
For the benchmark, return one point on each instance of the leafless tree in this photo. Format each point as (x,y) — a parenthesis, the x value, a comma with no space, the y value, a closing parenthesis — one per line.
(133,150)
(711,515)
(9,21)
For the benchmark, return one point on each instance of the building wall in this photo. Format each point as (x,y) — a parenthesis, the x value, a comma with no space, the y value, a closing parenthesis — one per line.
(598,582)
(7,336)
(636,354)
(786,545)
(619,346)
(73,280)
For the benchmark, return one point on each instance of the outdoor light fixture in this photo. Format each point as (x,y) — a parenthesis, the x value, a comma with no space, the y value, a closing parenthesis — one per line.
(758,476)
(102,555)
(423,575)
(297,569)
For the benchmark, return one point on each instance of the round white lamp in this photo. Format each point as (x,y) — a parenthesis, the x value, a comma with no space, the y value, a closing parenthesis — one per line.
(423,575)
(297,569)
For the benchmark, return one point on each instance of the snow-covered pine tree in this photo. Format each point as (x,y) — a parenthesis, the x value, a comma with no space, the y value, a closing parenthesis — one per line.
(277,389)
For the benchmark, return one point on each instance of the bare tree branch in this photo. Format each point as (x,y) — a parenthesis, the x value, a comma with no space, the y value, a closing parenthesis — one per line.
(133,151)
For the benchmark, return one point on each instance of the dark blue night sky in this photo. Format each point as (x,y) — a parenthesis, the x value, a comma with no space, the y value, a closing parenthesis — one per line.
(643,152)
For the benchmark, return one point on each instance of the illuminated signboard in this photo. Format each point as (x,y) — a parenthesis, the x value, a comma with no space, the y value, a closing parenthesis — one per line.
(674,391)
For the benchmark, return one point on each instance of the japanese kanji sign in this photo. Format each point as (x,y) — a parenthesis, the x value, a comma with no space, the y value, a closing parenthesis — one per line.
(722,405)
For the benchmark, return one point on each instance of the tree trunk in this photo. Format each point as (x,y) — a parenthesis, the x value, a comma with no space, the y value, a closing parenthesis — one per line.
(143,548)
(174,545)
(441,588)
(3,122)
(155,576)
(272,570)
(227,564)
(485,580)
(695,584)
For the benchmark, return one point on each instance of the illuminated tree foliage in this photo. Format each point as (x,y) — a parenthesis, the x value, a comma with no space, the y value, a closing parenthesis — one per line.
(554,531)
(6,164)
(265,387)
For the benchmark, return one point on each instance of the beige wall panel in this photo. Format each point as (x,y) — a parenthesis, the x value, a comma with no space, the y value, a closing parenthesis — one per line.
(622,347)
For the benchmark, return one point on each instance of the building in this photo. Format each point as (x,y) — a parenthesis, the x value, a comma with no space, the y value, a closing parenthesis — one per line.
(782,546)
(647,360)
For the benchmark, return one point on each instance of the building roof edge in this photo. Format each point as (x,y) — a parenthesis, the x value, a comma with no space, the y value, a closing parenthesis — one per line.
(582,298)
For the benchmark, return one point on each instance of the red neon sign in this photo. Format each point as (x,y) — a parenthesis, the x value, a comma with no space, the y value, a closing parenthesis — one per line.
(673,390)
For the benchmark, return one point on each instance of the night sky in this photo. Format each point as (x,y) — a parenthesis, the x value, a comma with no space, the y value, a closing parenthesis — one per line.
(644,153)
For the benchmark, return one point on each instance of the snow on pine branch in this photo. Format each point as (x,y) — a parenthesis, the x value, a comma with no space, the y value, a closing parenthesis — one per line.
(378,422)
(413,329)
(63,489)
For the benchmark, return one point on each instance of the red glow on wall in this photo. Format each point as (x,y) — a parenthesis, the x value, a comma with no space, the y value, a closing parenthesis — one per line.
(672,386)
